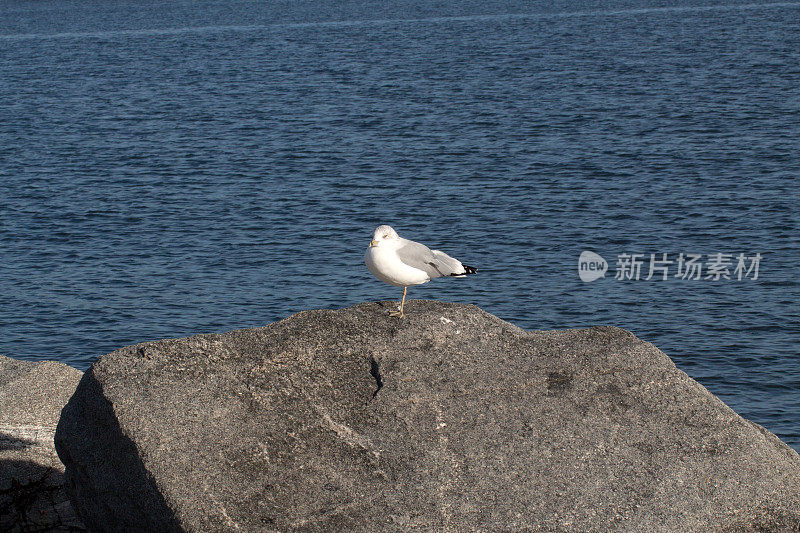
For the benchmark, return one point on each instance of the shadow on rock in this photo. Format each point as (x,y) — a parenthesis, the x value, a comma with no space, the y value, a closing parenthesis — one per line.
(32,499)
(11,442)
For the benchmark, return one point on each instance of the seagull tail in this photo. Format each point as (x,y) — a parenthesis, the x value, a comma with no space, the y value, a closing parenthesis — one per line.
(467,271)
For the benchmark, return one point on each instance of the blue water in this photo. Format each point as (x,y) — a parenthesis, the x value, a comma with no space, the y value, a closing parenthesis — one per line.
(175,168)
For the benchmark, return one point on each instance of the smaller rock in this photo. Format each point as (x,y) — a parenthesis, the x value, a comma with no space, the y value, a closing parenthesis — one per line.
(32,395)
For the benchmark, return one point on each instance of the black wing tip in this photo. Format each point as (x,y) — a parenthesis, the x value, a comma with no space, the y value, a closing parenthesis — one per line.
(467,271)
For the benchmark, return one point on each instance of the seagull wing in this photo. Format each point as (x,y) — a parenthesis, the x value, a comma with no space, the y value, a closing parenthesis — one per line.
(433,262)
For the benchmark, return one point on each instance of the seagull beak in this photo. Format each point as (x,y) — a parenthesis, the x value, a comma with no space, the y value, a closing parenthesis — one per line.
(373,243)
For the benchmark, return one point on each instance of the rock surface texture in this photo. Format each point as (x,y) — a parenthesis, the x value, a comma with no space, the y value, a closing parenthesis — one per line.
(447,420)
(31,476)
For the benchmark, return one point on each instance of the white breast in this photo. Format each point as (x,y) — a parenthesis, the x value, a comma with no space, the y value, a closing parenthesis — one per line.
(386,266)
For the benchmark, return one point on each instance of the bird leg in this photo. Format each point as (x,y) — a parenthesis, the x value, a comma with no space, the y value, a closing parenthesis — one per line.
(400,314)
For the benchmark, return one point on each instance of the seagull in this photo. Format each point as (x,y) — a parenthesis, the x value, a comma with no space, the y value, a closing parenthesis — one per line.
(400,262)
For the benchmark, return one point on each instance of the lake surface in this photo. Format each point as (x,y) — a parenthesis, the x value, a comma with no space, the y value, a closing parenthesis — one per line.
(177,168)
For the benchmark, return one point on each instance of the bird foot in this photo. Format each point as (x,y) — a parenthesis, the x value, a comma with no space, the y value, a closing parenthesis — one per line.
(398,314)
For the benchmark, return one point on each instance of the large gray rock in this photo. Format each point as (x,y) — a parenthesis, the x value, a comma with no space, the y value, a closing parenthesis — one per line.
(447,420)
(31,476)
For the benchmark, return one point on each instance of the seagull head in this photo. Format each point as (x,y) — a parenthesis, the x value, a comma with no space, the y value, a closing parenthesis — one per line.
(383,234)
